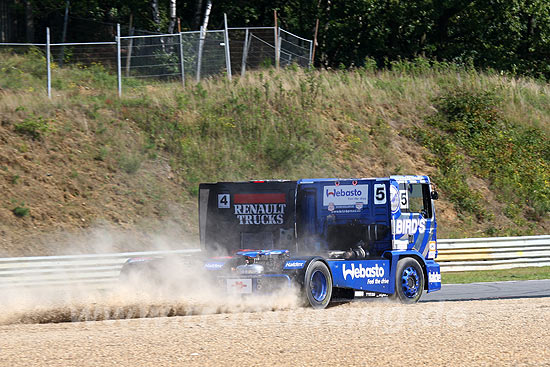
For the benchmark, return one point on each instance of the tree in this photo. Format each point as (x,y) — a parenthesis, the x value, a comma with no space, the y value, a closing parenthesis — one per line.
(29,21)
(155,14)
(510,35)
(172,16)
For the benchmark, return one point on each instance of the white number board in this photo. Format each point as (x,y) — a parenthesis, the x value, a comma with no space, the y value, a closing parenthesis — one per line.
(379,194)
(223,201)
(404,199)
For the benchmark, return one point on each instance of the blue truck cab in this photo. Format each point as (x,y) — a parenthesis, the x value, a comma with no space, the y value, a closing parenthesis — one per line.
(330,238)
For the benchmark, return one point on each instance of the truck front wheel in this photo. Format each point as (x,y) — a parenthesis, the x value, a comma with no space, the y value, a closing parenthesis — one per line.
(317,285)
(409,281)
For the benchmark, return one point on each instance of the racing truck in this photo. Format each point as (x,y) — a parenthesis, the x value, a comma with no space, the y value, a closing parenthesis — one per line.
(332,239)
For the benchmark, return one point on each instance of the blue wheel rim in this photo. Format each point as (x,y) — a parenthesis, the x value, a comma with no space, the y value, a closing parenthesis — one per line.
(318,285)
(410,281)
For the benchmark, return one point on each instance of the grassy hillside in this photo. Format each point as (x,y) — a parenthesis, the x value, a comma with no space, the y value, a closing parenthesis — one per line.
(87,158)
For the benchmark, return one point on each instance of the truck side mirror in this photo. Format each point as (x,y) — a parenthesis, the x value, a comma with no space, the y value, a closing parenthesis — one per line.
(434,195)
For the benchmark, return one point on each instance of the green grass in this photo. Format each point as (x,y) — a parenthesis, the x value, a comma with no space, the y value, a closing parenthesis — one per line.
(475,137)
(35,127)
(529,273)
(486,147)
(20,211)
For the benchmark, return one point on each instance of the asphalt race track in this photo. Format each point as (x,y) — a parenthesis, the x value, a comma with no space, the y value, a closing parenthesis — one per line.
(490,290)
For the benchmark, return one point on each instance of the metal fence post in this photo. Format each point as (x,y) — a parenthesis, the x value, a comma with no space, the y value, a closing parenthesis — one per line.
(276,39)
(129,52)
(314,43)
(278,47)
(310,53)
(118,60)
(227,53)
(245,53)
(64,34)
(48,62)
(181,61)
(202,35)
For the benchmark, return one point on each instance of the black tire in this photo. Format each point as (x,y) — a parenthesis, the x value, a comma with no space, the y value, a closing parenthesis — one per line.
(317,289)
(409,281)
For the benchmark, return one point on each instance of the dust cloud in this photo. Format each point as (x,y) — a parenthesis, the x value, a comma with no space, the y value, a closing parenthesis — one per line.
(160,287)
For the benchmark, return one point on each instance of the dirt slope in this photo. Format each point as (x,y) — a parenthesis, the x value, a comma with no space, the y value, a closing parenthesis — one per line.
(88,171)
(76,190)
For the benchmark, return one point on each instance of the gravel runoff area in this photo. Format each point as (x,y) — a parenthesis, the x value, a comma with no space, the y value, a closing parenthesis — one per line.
(495,332)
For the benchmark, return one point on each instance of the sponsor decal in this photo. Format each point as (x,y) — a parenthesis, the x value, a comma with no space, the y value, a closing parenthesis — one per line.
(394,199)
(345,195)
(346,211)
(269,198)
(434,277)
(432,249)
(409,226)
(260,209)
(330,207)
(294,264)
(362,272)
(239,285)
(260,213)
(358,206)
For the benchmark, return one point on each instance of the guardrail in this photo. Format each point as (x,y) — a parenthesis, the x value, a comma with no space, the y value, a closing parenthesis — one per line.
(493,253)
(72,270)
(103,269)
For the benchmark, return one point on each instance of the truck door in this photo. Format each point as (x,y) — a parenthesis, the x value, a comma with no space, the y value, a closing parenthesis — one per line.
(306,219)
(416,224)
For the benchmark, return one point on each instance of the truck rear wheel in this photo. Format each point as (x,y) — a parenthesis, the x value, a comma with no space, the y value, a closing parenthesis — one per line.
(409,281)
(317,285)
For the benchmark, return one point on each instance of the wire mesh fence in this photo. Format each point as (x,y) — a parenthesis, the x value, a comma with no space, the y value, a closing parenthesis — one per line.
(204,54)
(251,48)
(86,61)
(187,55)
(85,54)
(181,56)
(151,56)
(294,49)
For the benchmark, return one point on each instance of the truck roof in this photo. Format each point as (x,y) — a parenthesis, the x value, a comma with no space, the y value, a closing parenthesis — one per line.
(250,181)
(398,178)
